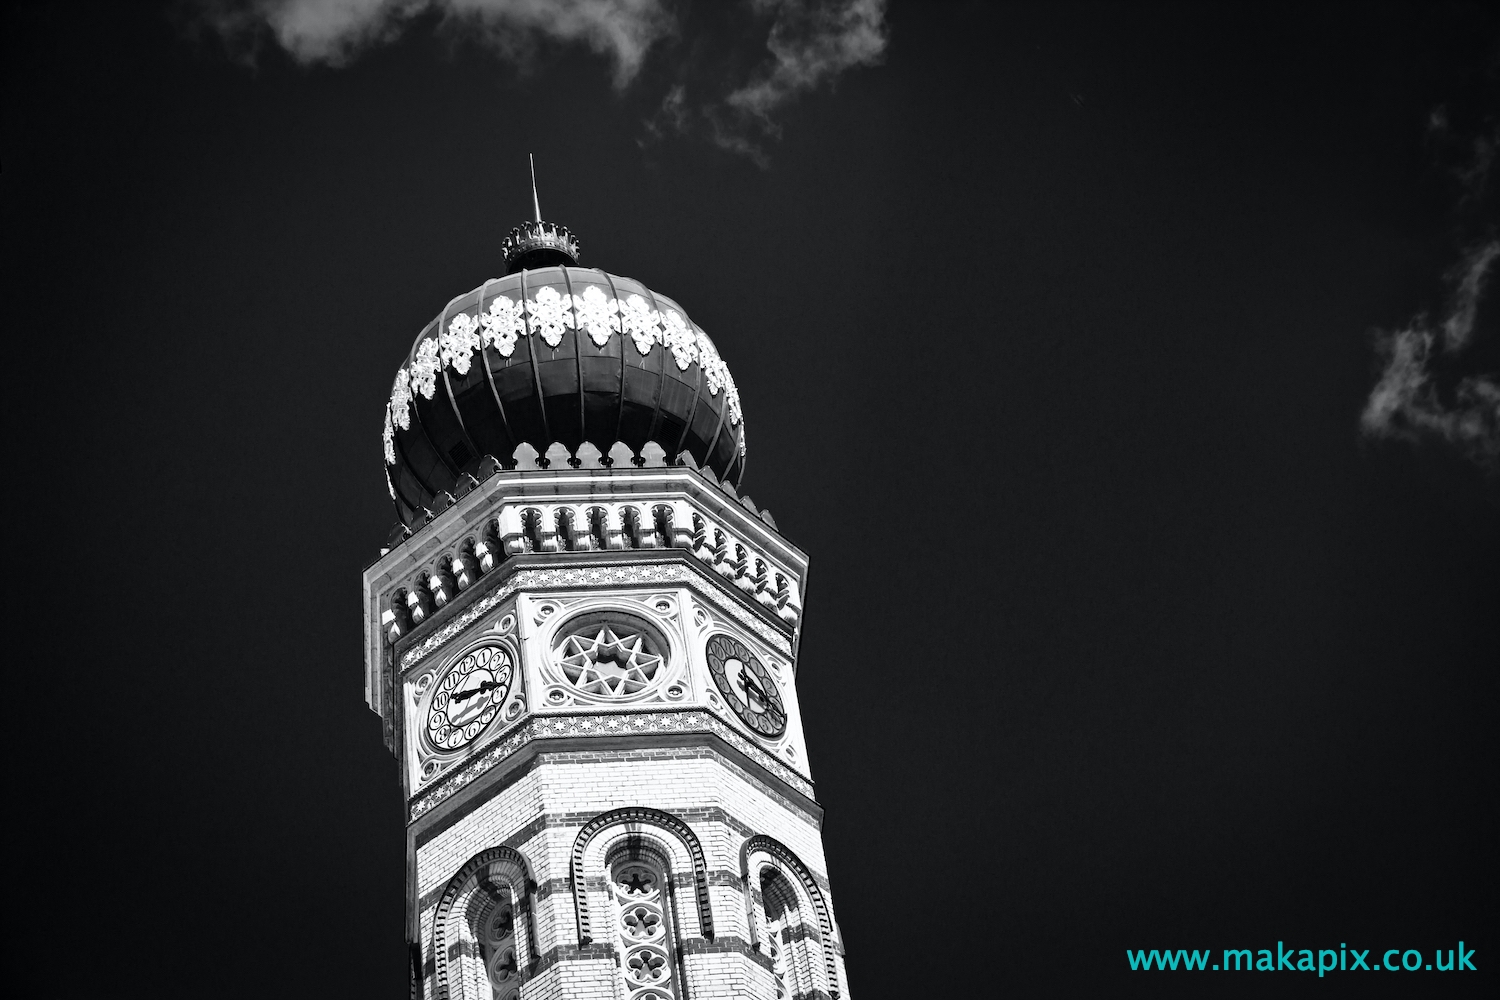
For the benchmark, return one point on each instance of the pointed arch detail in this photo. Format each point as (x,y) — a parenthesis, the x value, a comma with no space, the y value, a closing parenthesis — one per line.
(645,816)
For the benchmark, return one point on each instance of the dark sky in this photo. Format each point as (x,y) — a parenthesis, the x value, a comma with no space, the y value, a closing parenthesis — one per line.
(1053,333)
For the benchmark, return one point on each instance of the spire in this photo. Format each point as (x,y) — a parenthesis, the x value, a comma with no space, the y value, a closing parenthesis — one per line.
(538,243)
(535,203)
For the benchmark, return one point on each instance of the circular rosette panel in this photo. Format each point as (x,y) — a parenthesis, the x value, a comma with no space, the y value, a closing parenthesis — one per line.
(610,656)
(637,882)
(503,972)
(648,967)
(747,685)
(642,924)
(468,696)
(499,950)
(639,922)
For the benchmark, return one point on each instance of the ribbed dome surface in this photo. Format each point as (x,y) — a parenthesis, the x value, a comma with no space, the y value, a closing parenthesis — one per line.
(557,354)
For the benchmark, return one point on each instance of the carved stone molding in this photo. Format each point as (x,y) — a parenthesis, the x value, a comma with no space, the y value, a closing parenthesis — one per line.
(543,727)
(608,574)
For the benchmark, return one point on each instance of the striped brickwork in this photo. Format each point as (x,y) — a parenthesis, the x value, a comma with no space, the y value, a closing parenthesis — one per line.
(699,808)
(566,811)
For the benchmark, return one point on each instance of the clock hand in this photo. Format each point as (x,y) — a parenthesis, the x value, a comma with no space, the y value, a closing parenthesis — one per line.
(466,695)
(752,686)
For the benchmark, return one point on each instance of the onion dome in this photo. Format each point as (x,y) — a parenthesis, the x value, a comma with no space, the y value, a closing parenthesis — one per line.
(555,354)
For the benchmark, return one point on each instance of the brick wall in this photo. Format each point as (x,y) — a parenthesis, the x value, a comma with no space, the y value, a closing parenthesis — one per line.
(540,811)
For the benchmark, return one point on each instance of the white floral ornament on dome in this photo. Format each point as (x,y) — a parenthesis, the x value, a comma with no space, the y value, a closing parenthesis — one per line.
(596,315)
(400,407)
(641,322)
(732,399)
(679,339)
(424,368)
(708,360)
(550,314)
(503,324)
(388,438)
(459,342)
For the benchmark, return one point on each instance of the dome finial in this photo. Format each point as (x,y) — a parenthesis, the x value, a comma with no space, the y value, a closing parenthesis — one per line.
(535,202)
(538,243)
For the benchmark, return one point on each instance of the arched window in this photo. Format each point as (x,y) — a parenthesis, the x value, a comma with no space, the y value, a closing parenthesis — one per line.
(789,918)
(640,883)
(641,888)
(482,941)
(675,847)
(784,933)
(492,923)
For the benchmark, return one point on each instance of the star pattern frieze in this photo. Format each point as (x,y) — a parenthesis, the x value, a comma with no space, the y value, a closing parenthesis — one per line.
(567,726)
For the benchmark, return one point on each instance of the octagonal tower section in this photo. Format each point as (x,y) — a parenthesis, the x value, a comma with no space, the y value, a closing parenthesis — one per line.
(586,670)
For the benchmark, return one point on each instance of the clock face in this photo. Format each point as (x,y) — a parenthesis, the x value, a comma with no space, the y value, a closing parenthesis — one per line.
(468,697)
(746,684)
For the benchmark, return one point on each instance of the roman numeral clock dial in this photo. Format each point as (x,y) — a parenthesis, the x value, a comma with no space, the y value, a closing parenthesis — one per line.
(746,684)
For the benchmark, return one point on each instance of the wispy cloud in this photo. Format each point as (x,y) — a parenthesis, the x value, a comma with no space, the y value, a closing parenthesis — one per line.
(1411,402)
(726,89)
(810,42)
(1471,157)
(336,32)
(1430,386)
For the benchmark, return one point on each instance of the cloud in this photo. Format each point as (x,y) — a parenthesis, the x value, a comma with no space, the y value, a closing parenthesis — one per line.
(336,32)
(810,42)
(672,115)
(734,93)
(1408,402)
(1430,387)
(1473,157)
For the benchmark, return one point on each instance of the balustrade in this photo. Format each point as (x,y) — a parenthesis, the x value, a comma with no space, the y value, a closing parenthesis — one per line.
(529,526)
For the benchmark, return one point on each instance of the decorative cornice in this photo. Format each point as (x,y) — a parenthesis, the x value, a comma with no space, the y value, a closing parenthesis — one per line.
(600,724)
(586,479)
(597,575)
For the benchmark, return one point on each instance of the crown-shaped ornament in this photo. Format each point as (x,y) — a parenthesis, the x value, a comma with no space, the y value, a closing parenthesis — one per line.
(538,244)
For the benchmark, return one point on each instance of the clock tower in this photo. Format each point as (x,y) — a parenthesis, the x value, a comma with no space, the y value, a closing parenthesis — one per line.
(582,642)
